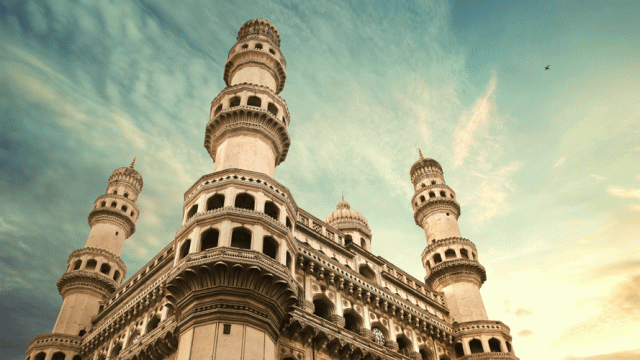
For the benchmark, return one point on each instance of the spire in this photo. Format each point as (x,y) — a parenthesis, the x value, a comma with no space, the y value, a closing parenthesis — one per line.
(343,196)
(133,162)
(420,153)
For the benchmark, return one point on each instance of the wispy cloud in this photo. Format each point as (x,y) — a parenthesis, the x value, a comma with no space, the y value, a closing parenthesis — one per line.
(597,177)
(624,193)
(560,162)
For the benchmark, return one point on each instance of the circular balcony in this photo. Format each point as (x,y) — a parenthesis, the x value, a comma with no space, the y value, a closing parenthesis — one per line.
(83,280)
(451,271)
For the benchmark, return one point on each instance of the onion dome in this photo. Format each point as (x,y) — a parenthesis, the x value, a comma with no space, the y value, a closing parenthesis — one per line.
(129,175)
(424,166)
(344,217)
(259,27)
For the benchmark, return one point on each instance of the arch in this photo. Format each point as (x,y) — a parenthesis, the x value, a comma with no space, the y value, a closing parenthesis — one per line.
(258,46)
(475,345)
(215,202)
(40,356)
(82,332)
(288,223)
(422,198)
(494,345)
(254,101)
(245,46)
(363,243)
(423,185)
(126,195)
(218,109)
(352,321)
(380,334)
(270,247)
(443,194)
(272,109)
(245,201)
(184,249)
(508,346)
(366,271)
(474,256)
(450,254)
(234,101)
(192,211)
(459,349)
(103,204)
(451,195)
(464,253)
(323,307)
(58,356)
(152,324)
(272,210)
(437,259)
(404,345)
(288,260)
(114,204)
(77,264)
(433,182)
(77,357)
(209,239)
(426,354)
(116,349)
(347,240)
(91,265)
(116,275)
(432,194)
(273,52)
(105,268)
(241,238)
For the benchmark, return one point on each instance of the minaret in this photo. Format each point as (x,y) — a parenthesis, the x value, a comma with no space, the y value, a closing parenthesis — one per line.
(95,271)
(248,123)
(452,263)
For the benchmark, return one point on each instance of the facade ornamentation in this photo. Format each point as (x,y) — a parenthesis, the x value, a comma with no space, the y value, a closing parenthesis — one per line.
(250,275)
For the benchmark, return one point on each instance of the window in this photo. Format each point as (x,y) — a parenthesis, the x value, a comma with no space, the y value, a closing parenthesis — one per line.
(272,109)
(76,265)
(450,254)
(152,324)
(82,332)
(91,265)
(245,201)
(115,351)
(464,253)
(404,345)
(271,210)
(254,101)
(215,202)
(235,101)
(258,46)
(288,261)
(77,357)
(432,194)
(58,356)
(105,269)
(422,199)
(126,195)
(209,239)
(103,204)
(184,249)
(116,275)
(272,51)
(459,350)
(433,182)
(348,240)
(494,345)
(192,211)
(245,46)
(476,346)
(270,247)
(227,329)
(367,272)
(437,259)
(288,223)
(218,109)
(40,356)
(241,238)
(363,243)
(443,194)
(508,346)
(352,322)
(114,204)
(322,308)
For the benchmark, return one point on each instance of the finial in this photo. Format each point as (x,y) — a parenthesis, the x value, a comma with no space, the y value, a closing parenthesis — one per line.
(420,153)
(133,162)
(342,195)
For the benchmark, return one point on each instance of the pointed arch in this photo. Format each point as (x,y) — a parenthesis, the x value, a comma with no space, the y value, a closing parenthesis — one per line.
(323,307)
(215,202)
(184,249)
(192,211)
(450,254)
(272,210)
(475,345)
(245,201)
(270,247)
(241,238)
(352,321)
(209,239)
(494,345)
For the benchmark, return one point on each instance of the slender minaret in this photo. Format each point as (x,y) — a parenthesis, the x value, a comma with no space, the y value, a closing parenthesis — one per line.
(452,263)
(95,271)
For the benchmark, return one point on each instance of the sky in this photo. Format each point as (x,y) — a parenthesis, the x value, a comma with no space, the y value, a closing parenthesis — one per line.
(545,164)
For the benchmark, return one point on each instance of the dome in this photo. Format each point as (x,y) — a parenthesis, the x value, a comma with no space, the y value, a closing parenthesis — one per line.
(345,216)
(259,27)
(128,174)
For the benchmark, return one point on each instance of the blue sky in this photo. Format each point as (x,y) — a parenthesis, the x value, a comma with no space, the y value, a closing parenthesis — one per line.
(545,164)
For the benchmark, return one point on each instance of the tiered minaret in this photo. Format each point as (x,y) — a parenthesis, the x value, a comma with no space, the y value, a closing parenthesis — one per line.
(452,263)
(232,284)
(95,271)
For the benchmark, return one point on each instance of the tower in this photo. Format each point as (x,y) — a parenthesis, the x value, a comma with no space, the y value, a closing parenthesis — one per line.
(451,263)
(95,271)
(232,281)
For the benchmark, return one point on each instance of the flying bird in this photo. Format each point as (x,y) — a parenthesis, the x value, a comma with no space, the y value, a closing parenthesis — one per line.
(546,67)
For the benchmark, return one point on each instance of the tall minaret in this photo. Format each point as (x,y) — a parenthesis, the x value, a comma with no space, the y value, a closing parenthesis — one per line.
(248,123)
(95,271)
(452,263)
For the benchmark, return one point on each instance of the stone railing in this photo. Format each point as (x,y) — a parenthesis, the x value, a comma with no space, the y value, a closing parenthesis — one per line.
(230,210)
(434,204)
(458,265)
(54,340)
(489,356)
(92,251)
(448,241)
(473,327)
(83,278)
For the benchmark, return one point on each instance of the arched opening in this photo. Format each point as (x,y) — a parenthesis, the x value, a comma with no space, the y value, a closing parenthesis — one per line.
(474,256)
(209,239)
(347,240)
(114,204)
(433,182)
(272,109)
(494,345)
(245,46)
(91,265)
(273,52)
(379,335)
(40,356)
(271,210)
(322,308)
(58,356)
(475,346)
(258,46)
(443,194)
(245,201)
(450,254)
(422,198)
(184,249)
(192,211)
(352,322)
(103,204)
(115,351)
(270,247)
(116,275)
(288,223)
(241,238)
(404,345)
(464,253)
(451,195)
(367,272)
(152,324)
(426,354)
(437,259)
(459,350)
(126,195)
(432,194)
(363,243)
(77,264)
(288,261)
(218,109)
(105,269)
(215,202)
(508,346)
(77,357)
(254,101)
(82,332)
(235,101)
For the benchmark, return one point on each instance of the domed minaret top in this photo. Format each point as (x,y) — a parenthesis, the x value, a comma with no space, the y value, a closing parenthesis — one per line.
(127,176)
(259,27)
(352,223)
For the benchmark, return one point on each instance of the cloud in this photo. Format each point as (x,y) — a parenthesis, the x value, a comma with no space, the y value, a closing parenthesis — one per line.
(597,177)
(624,355)
(523,312)
(624,193)
(560,162)
(525,333)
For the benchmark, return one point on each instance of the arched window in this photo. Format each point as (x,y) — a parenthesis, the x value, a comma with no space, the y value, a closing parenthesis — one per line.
(91,265)
(209,239)
(273,52)
(215,202)
(103,204)
(82,332)
(433,182)
(288,223)
(77,357)
(464,253)
(459,350)
(218,109)
(450,254)
(245,46)
(235,101)
(126,195)
(254,101)
(105,269)
(271,210)
(192,211)
(426,354)
(352,322)
(241,238)
(422,199)
(508,346)
(272,109)
(152,324)
(77,264)
(379,335)
(437,259)
(322,308)
(474,256)
(404,345)
(451,195)
(347,240)
(494,345)
(258,46)
(114,204)
(58,356)
(270,247)
(245,201)
(288,261)
(443,194)
(116,275)
(184,249)
(476,346)
(363,243)
(367,272)
(40,356)
(432,194)
(423,185)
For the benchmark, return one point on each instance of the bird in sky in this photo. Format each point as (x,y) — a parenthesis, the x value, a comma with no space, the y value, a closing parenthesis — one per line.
(547,67)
